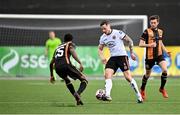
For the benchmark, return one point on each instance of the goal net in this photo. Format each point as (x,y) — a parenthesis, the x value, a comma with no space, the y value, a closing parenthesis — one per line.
(23,37)
(27,30)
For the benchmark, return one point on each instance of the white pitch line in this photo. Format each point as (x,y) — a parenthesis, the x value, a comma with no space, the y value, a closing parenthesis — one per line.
(100,102)
(119,84)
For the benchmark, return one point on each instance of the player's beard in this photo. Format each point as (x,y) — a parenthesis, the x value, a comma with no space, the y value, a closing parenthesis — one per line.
(108,32)
(154,28)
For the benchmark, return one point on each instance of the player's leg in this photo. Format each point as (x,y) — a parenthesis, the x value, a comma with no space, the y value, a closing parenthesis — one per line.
(54,73)
(73,92)
(148,66)
(83,84)
(69,85)
(108,83)
(62,72)
(110,69)
(144,82)
(74,73)
(133,84)
(163,66)
(145,79)
(124,66)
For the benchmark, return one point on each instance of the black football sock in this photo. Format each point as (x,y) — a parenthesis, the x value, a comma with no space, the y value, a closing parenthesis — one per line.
(71,88)
(144,81)
(163,80)
(82,87)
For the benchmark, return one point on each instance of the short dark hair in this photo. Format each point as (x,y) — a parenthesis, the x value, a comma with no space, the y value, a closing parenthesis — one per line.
(104,22)
(153,17)
(68,37)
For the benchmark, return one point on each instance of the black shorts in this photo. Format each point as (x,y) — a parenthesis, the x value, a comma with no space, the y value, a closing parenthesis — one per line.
(116,62)
(149,63)
(69,70)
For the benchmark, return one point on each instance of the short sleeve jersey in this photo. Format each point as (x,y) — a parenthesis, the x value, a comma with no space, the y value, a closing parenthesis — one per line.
(153,36)
(114,42)
(62,53)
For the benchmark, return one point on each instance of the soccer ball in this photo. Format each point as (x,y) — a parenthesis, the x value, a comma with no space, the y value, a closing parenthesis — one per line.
(100,93)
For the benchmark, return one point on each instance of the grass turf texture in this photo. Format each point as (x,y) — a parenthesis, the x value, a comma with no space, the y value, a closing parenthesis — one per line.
(39,96)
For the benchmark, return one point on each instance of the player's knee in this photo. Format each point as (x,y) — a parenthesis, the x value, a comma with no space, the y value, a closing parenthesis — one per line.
(67,81)
(147,75)
(109,73)
(84,80)
(127,76)
(164,76)
(164,73)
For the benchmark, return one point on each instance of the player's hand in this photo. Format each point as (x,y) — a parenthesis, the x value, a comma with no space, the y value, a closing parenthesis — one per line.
(81,68)
(133,57)
(104,61)
(169,54)
(152,45)
(52,80)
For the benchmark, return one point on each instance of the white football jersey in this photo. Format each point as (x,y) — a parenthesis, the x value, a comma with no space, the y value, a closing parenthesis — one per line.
(114,42)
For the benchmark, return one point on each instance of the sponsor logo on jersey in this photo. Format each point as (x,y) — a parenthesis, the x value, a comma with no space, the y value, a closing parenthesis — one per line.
(111,44)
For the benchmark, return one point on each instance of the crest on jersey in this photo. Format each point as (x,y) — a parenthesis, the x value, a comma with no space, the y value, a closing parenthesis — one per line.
(114,37)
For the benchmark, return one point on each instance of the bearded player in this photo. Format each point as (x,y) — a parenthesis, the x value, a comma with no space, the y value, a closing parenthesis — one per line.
(113,39)
(151,39)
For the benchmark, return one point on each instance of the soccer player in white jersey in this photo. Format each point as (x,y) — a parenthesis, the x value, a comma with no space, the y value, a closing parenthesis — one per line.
(113,39)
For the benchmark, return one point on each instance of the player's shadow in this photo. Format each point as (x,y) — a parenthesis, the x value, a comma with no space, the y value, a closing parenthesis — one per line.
(56,104)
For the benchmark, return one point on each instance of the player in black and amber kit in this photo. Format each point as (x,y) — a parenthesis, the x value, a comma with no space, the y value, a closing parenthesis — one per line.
(151,39)
(64,68)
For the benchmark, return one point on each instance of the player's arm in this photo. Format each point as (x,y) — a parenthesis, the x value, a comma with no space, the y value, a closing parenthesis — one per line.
(130,43)
(164,48)
(143,44)
(46,49)
(100,52)
(74,55)
(51,66)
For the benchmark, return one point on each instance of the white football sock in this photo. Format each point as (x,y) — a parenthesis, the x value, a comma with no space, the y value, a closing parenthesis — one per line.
(108,87)
(135,88)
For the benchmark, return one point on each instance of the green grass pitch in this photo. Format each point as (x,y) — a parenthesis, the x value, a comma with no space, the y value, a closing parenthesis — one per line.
(41,97)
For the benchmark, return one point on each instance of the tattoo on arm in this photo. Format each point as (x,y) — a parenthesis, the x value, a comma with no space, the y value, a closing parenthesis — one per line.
(130,42)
